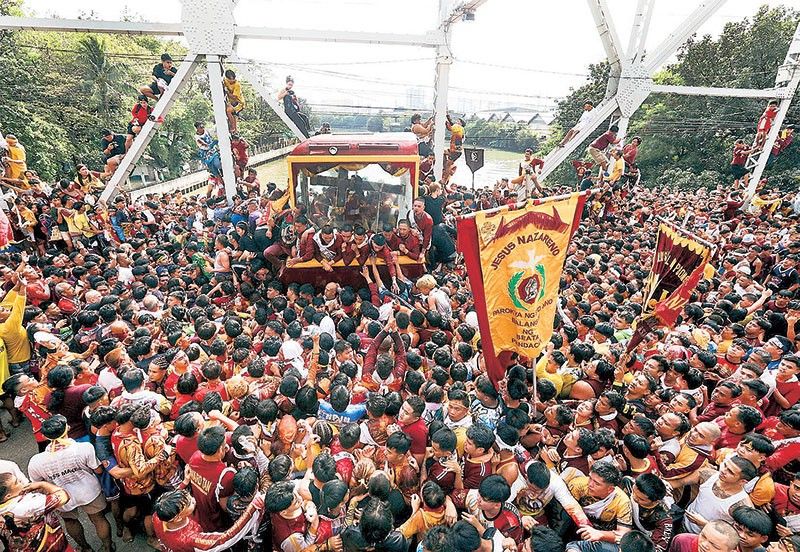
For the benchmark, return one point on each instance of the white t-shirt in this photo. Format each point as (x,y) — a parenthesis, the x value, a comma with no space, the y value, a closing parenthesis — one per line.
(72,469)
(108,380)
(328,326)
(125,274)
(583,120)
(442,303)
(7,466)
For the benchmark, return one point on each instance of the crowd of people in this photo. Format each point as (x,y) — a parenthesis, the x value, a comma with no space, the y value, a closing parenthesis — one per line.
(171,378)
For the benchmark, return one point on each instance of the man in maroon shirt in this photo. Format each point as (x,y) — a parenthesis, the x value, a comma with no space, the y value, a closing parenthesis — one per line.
(597,149)
(304,249)
(738,421)
(411,423)
(722,397)
(187,428)
(357,248)
(631,150)
(407,242)
(740,153)
(211,481)
(423,222)
(239,148)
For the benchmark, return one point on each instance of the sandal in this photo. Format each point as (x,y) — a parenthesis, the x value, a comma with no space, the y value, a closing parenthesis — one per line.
(127,536)
(3,438)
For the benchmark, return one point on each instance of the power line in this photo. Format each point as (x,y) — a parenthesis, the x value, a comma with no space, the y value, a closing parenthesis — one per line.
(517,68)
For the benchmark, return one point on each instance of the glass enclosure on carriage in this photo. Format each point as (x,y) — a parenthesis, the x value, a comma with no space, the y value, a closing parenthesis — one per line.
(366,180)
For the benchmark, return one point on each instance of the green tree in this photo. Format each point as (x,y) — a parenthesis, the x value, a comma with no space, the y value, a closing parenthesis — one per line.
(105,82)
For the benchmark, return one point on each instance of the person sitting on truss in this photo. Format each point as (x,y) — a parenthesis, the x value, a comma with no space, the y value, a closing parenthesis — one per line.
(162,76)
(291,106)
(588,106)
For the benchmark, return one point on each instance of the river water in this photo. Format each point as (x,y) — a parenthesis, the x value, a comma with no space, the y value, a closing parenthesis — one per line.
(497,164)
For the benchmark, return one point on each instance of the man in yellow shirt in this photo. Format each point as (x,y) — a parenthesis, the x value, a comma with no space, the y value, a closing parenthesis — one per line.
(11,331)
(606,505)
(234,99)
(81,221)
(427,512)
(617,166)
(4,375)
(16,161)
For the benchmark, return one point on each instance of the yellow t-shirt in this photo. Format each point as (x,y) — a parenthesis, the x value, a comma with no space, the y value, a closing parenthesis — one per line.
(4,371)
(233,90)
(82,223)
(616,513)
(542,373)
(420,521)
(16,152)
(70,220)
(11,331)
(616,172)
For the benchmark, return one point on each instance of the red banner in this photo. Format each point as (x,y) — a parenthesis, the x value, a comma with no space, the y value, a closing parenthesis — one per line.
(678,266)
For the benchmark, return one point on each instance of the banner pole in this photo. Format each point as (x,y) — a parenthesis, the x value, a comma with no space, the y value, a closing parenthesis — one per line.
(535,388)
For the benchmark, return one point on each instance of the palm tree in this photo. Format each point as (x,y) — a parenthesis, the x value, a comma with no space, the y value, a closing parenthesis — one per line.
(105,81)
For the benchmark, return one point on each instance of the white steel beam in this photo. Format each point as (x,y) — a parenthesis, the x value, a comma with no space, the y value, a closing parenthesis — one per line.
(243,70)
(641,25)
(444,60)
(723,92)
(610,40)
(559,155)
(90,26)
(160,111)
(215,74)
(430,39)
(443,63)
(655,59)
(622,124)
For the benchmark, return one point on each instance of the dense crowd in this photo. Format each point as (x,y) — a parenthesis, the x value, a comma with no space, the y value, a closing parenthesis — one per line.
(174,379)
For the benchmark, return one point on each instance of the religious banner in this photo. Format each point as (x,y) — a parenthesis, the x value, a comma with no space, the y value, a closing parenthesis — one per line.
(514,260)
(679,264)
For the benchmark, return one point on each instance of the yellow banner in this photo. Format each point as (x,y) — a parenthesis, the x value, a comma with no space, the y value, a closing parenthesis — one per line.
(522,254)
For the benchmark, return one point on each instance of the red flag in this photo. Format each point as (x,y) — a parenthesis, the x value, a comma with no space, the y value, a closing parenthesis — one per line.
(678,265)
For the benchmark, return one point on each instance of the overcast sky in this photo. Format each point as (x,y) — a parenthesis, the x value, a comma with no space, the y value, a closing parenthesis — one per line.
(518,51)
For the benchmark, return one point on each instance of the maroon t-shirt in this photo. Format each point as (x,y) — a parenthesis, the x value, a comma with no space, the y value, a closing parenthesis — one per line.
(210,481)
(605,140)
(185,447)
(418,432)
(72,409)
